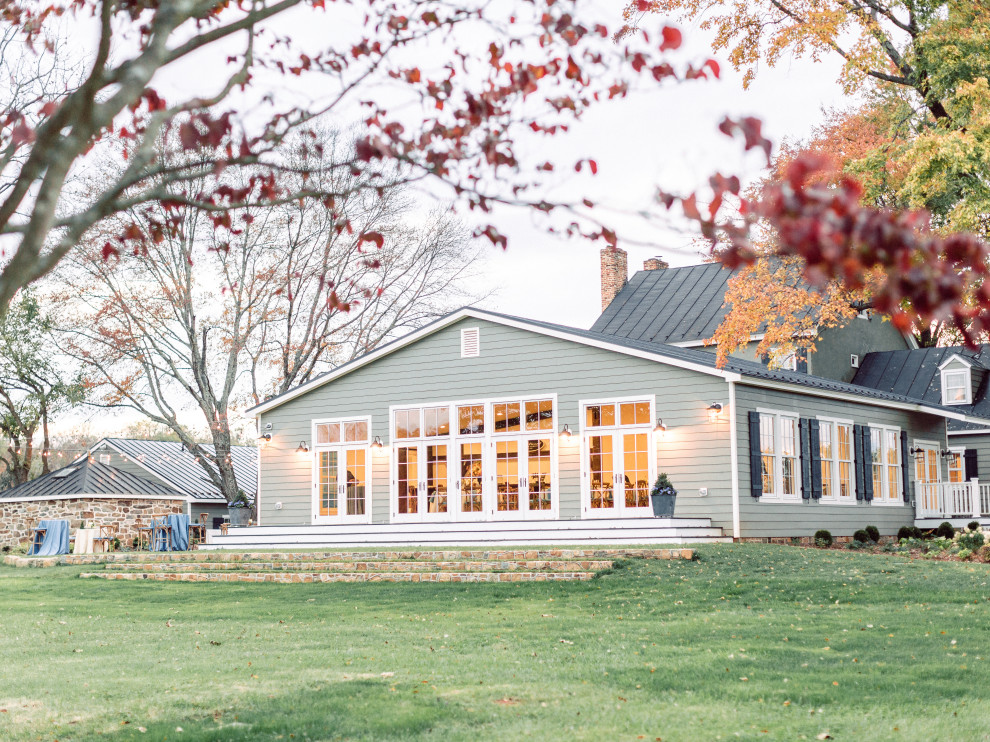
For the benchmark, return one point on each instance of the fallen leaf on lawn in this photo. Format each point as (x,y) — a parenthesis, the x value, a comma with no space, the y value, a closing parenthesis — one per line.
(564,641)
(547,615)
(824,735)
(507,701)
(169,623)
(215,644)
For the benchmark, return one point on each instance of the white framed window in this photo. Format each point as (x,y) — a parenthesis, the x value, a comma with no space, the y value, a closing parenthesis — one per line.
(885,465)
(779,455)
(956,465)
(956,386)
(105,458)
(618,456)
(785,361)
(835,447)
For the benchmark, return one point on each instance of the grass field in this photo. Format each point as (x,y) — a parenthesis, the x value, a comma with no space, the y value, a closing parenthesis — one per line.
(750,642)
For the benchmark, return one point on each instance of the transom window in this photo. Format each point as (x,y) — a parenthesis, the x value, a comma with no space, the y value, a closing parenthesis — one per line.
(518,417)
(348,431)
(778,454)
(618,414)
(835,448)
(422,422)
(885,451)
(471,419)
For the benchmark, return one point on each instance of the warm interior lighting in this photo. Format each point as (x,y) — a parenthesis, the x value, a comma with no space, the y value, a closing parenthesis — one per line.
(714,411)
(303,448)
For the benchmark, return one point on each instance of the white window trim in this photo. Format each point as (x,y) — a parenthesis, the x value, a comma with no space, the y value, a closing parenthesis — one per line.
(778,470)
(651,441)
(885,481)
(967,385)
(959,451)
(341,446)
(837,499)
(489,511)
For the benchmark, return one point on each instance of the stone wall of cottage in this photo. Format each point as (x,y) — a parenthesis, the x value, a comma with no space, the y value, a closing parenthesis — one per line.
(18,518)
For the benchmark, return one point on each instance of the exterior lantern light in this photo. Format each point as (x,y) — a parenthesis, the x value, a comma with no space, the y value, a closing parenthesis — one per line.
(377,443)
(660,427)
(566,432)
(303,448)
(714,411)
(265,438)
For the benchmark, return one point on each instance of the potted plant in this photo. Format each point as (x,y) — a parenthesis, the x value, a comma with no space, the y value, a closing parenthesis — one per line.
(662,496)
(239,509)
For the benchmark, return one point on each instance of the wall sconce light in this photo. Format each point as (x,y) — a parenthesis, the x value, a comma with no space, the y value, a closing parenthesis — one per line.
(303,448)
(945,454)
(377,443)
(660,428)
(918,453)
(265,438)
(566,432)
(714,411)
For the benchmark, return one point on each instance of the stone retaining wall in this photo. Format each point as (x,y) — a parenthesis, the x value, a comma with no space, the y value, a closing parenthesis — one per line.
(18,518)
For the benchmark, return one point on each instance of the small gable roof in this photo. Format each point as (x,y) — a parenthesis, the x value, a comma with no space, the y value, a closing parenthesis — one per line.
(917,373)
(85,477)
(170,462)
(672,305)
(689,358)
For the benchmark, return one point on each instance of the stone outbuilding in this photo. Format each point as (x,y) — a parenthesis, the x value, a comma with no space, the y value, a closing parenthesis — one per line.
(89,491)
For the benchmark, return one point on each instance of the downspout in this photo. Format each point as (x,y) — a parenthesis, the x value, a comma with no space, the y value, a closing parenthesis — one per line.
(734,459)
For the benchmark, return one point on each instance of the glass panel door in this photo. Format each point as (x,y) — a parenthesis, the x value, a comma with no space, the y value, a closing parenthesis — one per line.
(407,479)
(602,472)
(636,470)
(328,484)
(436,479)
(470,482)
(507,480)
(356,485)
(538,475)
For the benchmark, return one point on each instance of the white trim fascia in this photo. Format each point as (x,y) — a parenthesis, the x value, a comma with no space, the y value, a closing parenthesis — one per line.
(977,431)
(87,496)
(754,338)
(954,357)
(848,397)
(912,341)
(478,314)
(734,461)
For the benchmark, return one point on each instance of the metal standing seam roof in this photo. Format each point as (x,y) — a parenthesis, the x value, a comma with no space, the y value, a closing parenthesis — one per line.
(672,305)
(744,368)
(86,477)
(916,373)
(170,461)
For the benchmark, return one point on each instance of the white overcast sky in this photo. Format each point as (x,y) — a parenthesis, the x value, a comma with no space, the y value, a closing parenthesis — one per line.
(666,138)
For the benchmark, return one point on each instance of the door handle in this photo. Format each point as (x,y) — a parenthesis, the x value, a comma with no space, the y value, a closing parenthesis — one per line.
(522,483)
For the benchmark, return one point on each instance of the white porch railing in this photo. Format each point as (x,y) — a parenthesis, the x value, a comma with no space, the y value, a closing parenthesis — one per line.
(952,499)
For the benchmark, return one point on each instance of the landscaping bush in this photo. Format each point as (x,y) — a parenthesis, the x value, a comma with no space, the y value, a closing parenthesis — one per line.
(971,540)
(823,538)
(973,525)
(861,537)
(873,532)
(945,530)
(906,532)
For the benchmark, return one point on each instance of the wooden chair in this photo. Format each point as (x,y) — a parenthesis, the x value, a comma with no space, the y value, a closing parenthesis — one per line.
(223,528)
(161,534)
(143,533)
(107,537)
(37,539)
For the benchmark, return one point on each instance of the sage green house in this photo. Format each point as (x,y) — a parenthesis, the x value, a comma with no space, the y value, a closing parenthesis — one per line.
(482,427)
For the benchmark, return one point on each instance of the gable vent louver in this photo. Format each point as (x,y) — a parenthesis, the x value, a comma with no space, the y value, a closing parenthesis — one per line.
(470,342)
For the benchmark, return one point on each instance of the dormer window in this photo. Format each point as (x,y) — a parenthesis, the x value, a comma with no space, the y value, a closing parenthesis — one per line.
(956,387)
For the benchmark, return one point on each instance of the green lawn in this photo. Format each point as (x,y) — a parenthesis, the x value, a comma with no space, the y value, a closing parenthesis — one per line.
(749,642)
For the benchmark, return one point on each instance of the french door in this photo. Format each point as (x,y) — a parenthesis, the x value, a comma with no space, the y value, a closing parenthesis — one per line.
(422,481)
(523,477)
(618,474)
(342,485)
(470,475)
(927,474)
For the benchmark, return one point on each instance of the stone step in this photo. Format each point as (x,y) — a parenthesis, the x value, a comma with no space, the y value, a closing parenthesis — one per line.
(434,555)
(300,577)
(539,565)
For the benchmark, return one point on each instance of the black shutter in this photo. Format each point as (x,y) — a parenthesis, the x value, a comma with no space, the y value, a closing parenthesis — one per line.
(867,464)
(905,468)
(816,459)
(970,466)
(801,360)
(755,457)
(858,459)
(805,458)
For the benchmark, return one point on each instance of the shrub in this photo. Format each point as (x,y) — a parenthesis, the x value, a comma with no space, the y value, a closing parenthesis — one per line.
(973,525)
(861,537)
(971,540)
(906,532)
(873,532)
(945,530)
(823,538)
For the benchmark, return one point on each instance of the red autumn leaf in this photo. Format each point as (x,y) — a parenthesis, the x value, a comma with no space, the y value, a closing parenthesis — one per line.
(672,38)
(375,237)
(109,250)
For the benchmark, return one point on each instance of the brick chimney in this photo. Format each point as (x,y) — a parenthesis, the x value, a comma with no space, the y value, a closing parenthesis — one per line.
(615,271)
(655,264)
